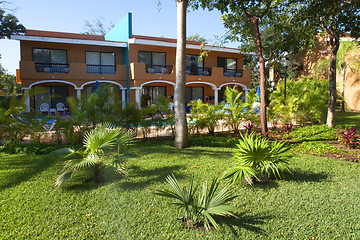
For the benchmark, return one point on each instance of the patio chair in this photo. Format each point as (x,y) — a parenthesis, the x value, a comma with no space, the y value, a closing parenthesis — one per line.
(60,107)
(44,108)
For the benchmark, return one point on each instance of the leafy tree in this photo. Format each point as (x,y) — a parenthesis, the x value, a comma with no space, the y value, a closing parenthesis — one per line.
(346,60)
(197,38)
(181,129)
(8,82)
(266,27)
(333,18)
(9,24)
(96,28)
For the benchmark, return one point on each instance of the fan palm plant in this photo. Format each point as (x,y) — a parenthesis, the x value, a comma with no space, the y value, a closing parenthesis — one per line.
(255,156)
(200,207)
(105,145)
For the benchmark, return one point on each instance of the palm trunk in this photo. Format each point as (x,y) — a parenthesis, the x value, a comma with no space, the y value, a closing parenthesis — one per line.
(334,44)
(181,130)
(96,177)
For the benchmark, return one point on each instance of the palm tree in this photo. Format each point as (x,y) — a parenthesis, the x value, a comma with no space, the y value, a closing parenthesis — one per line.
(105,145)
(346,61)
(181,130)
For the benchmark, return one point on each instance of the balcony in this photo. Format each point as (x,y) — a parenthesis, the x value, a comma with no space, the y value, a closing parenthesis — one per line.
(198,71)
(159,69)
(100,69)
(233,73)
(73,71)
(52,68)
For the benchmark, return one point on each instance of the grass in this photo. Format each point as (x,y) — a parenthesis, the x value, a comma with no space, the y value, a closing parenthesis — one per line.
(319,200)
(348,119)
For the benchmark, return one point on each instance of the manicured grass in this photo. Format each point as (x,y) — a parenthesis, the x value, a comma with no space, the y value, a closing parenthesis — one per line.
(319,200)
(348,119)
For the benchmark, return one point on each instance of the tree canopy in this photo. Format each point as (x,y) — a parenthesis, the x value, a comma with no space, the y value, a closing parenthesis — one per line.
(9,24)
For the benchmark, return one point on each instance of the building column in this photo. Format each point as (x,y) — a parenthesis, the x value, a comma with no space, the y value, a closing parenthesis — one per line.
(216,96)
(137,97)
(27,100)
(78,93)
(123,96)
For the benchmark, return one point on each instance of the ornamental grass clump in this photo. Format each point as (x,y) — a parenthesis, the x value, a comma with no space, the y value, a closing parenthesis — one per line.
(200,207)
(256,159)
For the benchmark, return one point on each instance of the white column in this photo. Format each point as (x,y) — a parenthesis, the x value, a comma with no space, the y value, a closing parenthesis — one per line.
(216,96)
(246,93)
(78,93)
(123,91)
(137,97)
(27,100)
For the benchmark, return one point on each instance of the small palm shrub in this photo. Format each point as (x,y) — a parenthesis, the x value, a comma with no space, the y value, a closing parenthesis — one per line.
(105,145)
(200,207)
(256,157)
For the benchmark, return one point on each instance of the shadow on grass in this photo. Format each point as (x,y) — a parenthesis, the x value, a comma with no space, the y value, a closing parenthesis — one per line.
(149,176)
(242,220)
(18,169)
(298,175)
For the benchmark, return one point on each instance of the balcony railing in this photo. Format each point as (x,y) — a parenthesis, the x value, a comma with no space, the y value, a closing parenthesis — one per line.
(100,69)
(233,73)
(52,68)
(159,69)
(198,71)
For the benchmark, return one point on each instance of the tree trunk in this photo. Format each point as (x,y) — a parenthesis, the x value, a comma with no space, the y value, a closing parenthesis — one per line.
(181,130)
(255,22)
(334,44)
(343,76)
(96,177)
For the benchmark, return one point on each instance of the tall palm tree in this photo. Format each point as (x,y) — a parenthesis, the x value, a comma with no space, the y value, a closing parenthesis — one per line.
(181,130)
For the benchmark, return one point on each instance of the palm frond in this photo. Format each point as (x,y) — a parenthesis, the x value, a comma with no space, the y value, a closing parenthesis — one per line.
(61,179)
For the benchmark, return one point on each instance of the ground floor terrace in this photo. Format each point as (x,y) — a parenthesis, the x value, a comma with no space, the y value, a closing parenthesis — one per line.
(54,93)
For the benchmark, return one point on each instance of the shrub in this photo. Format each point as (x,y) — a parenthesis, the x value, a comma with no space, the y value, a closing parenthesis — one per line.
(346,137)
(103,146)
(256,157)
(200,207)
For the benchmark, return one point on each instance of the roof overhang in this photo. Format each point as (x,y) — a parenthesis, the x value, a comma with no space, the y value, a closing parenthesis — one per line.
(69,41)
(188,46)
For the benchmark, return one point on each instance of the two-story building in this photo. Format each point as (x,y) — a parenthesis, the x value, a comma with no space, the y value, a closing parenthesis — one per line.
(69,64)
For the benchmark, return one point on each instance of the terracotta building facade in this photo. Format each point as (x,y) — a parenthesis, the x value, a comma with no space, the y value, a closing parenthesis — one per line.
(136,67)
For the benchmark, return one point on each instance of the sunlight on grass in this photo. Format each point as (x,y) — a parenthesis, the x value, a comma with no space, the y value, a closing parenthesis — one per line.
(320,198)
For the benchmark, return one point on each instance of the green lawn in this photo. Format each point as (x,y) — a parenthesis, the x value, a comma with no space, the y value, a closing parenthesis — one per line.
(319,200)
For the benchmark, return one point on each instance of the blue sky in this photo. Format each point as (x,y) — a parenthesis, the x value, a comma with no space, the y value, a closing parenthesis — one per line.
(70,16)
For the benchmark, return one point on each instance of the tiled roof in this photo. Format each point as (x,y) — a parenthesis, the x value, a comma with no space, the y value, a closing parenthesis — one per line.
(160,39)
(39,33)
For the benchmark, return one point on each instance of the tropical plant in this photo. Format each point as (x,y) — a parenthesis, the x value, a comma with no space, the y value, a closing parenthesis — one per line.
(105,145)
(306,101)
(235,108)
(256,157)
(346,136)
(205,115)
(200,207)
(249,126)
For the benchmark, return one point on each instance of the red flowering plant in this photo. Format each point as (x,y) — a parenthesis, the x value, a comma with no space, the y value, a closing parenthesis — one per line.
(347,137)
(285,128)
(250,127)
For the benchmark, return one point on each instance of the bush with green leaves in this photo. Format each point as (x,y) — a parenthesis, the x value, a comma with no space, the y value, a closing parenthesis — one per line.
(105,145)
(306,101)
(205,116)
(200,207)
(256,157)
(237,110)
